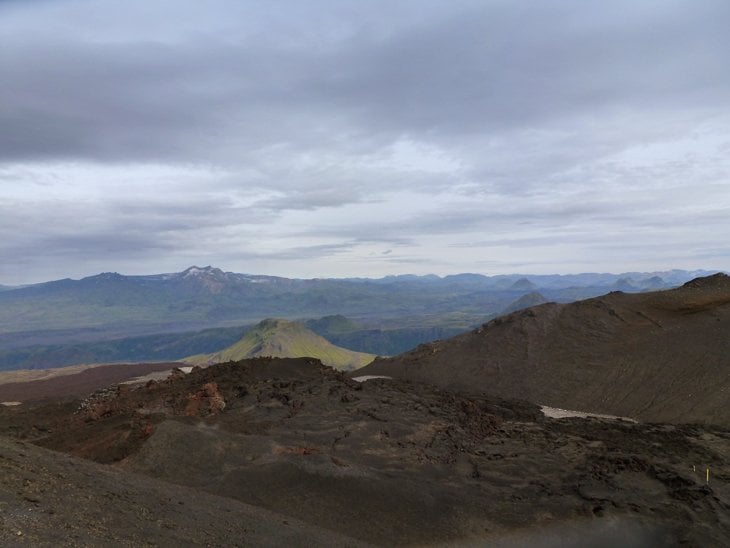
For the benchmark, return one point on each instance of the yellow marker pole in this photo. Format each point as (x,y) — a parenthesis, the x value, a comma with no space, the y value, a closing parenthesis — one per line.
(708,475)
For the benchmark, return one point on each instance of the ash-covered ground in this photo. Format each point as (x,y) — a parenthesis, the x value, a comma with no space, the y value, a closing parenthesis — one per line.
(384,462)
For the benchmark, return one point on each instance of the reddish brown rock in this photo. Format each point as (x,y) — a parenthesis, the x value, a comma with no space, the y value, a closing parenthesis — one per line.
(206,401)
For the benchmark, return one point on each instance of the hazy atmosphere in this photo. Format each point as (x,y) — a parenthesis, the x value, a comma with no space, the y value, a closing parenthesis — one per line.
(351,138)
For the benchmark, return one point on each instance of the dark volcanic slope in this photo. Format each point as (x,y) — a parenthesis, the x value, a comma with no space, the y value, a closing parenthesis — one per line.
(387,462)
(662,356)
(50,499)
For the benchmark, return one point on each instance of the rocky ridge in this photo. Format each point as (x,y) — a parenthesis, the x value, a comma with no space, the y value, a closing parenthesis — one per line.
(660,356)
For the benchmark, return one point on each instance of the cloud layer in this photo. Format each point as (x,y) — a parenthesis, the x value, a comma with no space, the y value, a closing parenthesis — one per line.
(361,138)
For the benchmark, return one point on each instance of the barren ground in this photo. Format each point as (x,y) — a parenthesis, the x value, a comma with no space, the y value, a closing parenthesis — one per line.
(386,462)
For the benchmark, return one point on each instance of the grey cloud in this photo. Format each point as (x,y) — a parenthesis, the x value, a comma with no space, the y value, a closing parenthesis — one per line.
(394,241)
(289,115)
(124,215)
(298,253)
(400,260)
(504,66)
(92,232)
(103,245)
(460,217)
(311,199)
(484,67)
(321,251)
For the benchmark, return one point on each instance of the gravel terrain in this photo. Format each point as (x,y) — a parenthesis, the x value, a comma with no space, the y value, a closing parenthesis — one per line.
(385,462)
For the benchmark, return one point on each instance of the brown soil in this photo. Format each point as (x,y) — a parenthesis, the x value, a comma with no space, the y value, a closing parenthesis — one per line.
(78,383)
(386,462)
(659,356)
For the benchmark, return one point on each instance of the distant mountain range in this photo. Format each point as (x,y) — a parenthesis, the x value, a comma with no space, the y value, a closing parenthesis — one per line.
(208,295)
(657,356)
(347,333)
(392,314)
(285,339)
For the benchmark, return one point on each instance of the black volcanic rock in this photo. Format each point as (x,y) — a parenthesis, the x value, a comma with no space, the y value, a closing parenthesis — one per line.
(385,462)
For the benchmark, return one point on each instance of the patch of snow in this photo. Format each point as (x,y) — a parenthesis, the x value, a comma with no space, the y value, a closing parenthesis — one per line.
(557,413)
(10,403)
(364,378)
(156,376)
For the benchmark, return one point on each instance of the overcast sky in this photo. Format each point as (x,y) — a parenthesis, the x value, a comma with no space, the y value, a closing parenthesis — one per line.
(363,138)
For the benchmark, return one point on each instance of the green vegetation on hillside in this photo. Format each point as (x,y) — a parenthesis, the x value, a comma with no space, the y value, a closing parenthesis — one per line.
(286,339)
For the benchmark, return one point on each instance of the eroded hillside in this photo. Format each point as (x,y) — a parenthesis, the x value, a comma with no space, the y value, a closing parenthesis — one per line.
(661,356)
